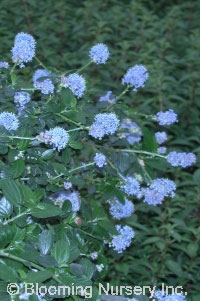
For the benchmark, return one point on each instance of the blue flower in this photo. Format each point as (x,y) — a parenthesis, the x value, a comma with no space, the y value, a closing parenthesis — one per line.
(159,295)
(24,48)
(42,82)
(133,132)
(162,150)
(99,53)
(136,77)
(108,97)
(104,124)
(163,297)
(9,121)
(73,197)
(158,190)
(67,185)
(119,210)
(122,241)
(166,118)
(57,137)
(40,75)
(47,87)
(152,197)
(75,200)
(181,159)
(161,137)
(131,186)
(4,65)
(100,160)
(21,99)
(76,83)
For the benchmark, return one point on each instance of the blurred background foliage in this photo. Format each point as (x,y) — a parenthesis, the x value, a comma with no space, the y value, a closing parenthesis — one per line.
(164,36)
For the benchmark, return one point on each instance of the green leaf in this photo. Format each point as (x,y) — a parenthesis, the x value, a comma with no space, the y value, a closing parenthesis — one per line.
(8,274)
(76,269)
(108,226)
(3,286)
(192,249)
(88,266)
(74,252)
(4,297)
(66,156)
(38,276)
(174,267)
(48,154)
(6,208)
(12,191)
(82,281)
(149,141)
(47,261)
(67,97)
(30,254)
(29,196)
(59,168)
(45,241)
(196,176)
(7,234)
(119,195)
(73,102)
(13,77)
(44,210)
(23,144)
(38,194)
(61,251)
(151,240)
(3,149)
(75,144)
(18,168)
(123,161)
(111,191)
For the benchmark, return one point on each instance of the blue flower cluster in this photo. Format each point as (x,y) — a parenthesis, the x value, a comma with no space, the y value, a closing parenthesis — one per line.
(109,97)
(9,121)
(122,241)
(100,160)
(163,297)
(158,190)
(104,124)
(76,83)
(57,137)
(166,118)
(119,210)
(24,49)
(99,53)
(4,65)
(75,200)
(161,137)
(67,185)
(181,159)
(136,77)
(73,197)
(41,82)
(131,186)
(162,150)
(133,132)
(21,99)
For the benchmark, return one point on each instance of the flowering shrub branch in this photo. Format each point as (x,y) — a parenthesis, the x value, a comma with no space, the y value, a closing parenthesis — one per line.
(64,189)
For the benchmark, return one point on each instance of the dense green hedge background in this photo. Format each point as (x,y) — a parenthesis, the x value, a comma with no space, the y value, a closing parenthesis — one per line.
(165,37)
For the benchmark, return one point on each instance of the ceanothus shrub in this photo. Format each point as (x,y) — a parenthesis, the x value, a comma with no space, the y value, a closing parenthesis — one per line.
(72,170)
